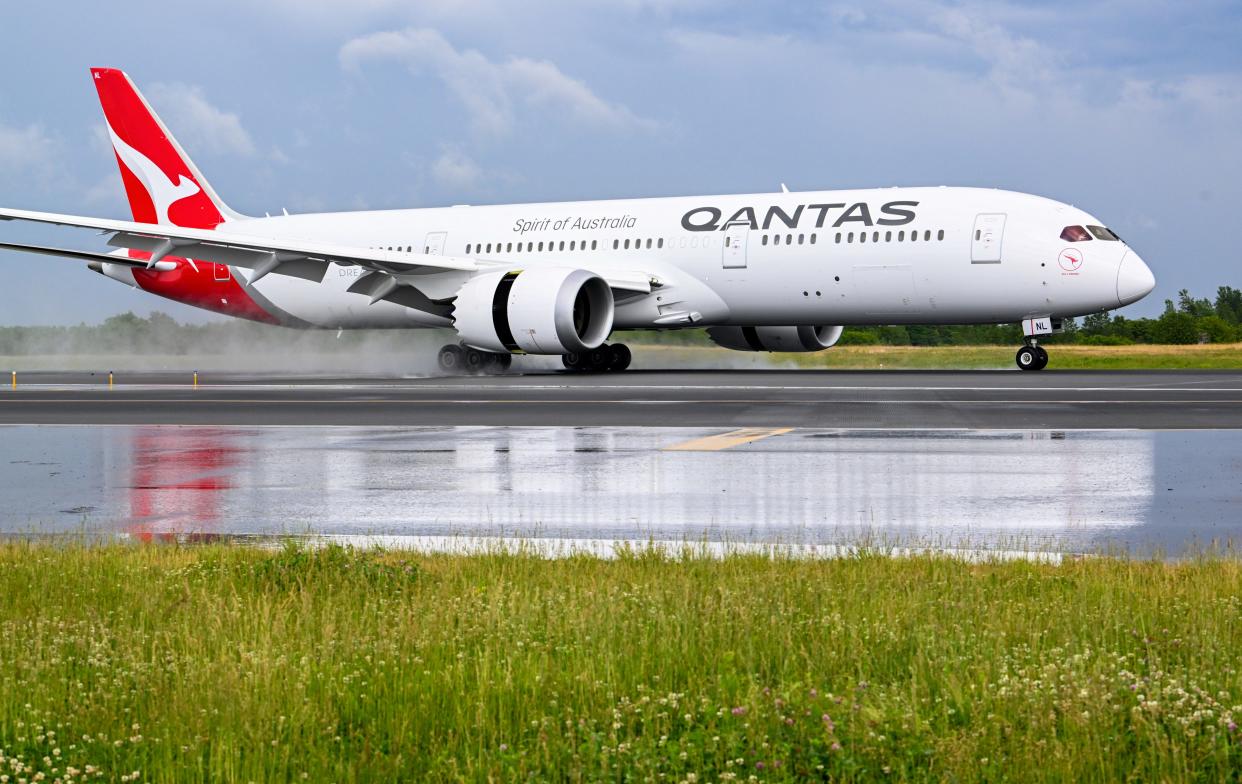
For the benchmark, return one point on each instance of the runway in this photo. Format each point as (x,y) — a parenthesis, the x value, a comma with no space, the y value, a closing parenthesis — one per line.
(749,398)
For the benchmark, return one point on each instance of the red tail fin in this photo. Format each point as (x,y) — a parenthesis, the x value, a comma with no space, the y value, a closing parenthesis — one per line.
(163,184)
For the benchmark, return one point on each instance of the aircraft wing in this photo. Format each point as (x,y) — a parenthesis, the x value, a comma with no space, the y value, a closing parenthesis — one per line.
(303,259)
(406,278)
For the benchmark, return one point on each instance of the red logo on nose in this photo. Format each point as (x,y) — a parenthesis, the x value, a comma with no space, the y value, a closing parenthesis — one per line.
(1070,259)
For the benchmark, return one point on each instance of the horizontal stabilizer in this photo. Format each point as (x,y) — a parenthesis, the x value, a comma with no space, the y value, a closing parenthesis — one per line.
(86,255)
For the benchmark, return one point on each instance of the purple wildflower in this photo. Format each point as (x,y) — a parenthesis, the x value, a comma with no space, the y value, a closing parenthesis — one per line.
(738,711)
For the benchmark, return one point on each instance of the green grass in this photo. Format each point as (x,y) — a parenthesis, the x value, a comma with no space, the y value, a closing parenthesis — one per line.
(1210,356)
(239,664)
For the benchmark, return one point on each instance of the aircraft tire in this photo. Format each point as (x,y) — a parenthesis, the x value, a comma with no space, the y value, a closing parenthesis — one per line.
(1043,357)
(1028,358)
(476,361)
(451,359)
(599,359)
(620,356)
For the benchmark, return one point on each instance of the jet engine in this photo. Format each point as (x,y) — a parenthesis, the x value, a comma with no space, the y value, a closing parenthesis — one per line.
(775,338)
(545,310)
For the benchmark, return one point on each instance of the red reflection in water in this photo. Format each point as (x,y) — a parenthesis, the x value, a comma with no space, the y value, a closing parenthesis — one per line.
(178,480)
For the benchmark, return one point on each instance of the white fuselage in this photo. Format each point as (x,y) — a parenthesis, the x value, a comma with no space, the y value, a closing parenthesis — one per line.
(940,256)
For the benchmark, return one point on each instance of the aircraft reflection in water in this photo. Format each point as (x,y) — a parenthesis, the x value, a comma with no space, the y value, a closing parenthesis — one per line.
(179,479)
(803,487)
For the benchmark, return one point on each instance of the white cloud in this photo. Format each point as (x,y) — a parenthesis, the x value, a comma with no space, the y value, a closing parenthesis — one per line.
(194,120)
(455,169)
(491,92)
(25,149)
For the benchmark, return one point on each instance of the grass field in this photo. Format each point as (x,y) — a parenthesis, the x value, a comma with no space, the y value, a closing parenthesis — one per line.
(1063,357)
(224,663)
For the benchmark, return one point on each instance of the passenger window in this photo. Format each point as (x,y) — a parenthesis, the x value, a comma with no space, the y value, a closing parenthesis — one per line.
(571,244)
(849,237)
(530,246)
(838,238)
(888,236)
(979,234)
(562,247)
(914,236)
(813,236)
(789,239)
(593,243)
(467,248)
(660,244)
(627,244)
(862,236)
(901,236)
(927,236)
(763,241)
(1102,233)
(875,237)
(801,238)
(616,244)
(940,235)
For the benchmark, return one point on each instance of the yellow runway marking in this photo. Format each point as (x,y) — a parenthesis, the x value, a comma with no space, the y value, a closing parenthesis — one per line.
(728,440)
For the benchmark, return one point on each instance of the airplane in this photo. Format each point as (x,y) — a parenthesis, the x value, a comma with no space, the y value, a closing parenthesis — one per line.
(783,271)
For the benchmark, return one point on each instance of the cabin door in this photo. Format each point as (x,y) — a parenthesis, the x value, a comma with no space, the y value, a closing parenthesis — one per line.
(985,243)
(735,239)
(434,246)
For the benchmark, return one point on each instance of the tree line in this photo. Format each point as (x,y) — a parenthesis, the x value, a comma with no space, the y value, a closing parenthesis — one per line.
(1186,320)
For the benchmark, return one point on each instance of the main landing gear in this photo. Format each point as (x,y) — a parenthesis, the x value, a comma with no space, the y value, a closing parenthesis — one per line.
(1032,357)
(463,359)
(608,357)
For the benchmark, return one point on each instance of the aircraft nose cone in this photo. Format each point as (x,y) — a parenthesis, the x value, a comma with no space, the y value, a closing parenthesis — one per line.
(1134,279)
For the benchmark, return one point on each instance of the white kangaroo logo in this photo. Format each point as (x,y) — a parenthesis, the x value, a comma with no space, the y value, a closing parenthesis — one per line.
(163,191)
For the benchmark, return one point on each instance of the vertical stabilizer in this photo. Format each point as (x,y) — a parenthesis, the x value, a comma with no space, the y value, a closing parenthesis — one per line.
(162,183)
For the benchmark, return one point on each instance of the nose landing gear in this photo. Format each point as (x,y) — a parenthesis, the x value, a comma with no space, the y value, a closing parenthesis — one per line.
(1032,357)
(463,359)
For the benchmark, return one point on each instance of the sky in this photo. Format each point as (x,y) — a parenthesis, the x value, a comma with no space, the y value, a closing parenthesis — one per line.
(1130,109)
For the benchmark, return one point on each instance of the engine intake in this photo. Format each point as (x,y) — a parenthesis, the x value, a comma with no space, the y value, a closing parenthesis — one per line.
(800,339)
(537,311)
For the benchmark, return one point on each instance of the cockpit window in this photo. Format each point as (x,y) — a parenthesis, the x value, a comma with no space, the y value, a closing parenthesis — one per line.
(1102,233)
(1075,234)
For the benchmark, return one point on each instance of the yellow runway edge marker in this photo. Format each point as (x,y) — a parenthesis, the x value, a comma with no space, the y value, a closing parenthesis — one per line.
(726,440)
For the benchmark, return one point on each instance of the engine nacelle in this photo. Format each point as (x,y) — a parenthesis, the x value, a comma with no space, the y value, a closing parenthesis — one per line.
(545,310)
(775,338)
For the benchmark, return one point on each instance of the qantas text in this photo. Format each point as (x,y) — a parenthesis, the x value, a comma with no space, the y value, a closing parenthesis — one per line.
(894,213)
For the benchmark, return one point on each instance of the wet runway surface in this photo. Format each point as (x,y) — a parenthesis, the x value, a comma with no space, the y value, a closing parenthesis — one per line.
(841,399)
(1071,490)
